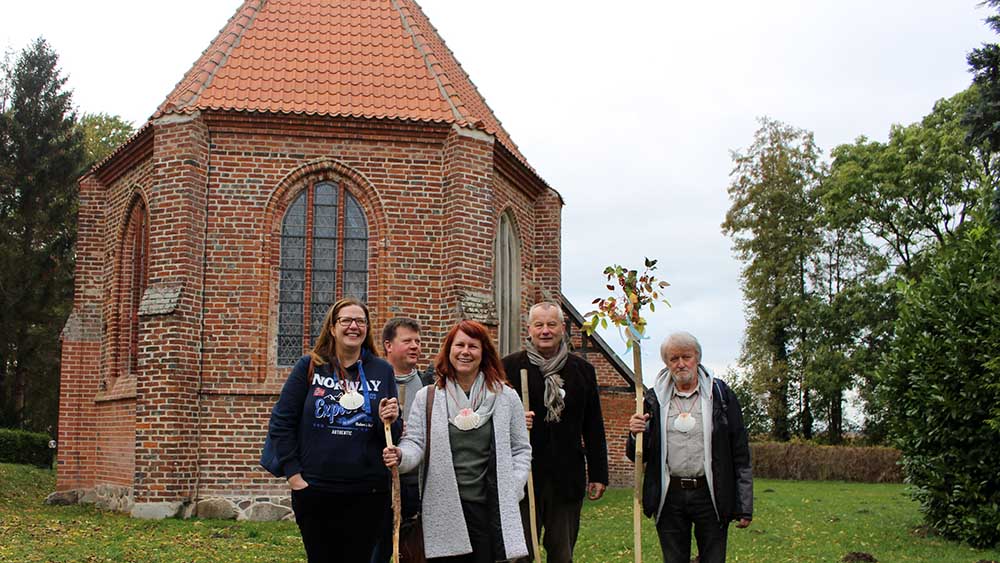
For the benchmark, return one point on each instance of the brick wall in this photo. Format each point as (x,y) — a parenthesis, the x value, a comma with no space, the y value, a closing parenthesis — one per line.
(81,348)
(190,421)
(169,364)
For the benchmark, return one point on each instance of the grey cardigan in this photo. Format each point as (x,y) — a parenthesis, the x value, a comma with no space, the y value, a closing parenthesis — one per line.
(445,532)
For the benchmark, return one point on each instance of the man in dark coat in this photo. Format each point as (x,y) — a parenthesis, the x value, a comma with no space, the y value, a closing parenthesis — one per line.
(569,450)
(697,456)
(402,347)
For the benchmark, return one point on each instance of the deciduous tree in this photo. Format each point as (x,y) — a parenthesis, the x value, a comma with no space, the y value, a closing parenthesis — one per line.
(102,134)
(915,190)
(771,222)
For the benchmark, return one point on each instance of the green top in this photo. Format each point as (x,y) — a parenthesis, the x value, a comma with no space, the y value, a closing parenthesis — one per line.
(470,452)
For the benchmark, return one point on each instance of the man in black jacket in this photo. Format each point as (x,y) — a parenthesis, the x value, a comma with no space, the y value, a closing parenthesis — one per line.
(697,456)
(402,347)
(569,450)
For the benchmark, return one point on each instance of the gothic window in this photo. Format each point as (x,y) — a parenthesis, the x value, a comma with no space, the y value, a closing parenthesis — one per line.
(507,284)
(134,271)
(324,256)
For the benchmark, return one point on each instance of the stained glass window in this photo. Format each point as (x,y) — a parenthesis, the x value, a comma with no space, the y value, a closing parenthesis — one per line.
(324,256)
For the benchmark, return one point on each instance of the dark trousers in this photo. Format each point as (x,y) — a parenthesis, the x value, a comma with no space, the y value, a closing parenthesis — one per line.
(339,527)
(410,502)
(477,520)
(682,509)
(558,521)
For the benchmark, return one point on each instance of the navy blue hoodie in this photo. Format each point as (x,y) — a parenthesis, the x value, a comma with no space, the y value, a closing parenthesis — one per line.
(334,449)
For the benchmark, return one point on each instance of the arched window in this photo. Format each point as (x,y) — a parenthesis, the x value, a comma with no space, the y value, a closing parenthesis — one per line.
(134,271)
(324,256)
(507,284)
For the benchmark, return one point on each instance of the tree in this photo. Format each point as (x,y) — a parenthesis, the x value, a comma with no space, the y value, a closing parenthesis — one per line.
(983,116)
(771,222)
(754,416)
(41,156)
(915,190)
(102,134)
(939,385)
(624,309)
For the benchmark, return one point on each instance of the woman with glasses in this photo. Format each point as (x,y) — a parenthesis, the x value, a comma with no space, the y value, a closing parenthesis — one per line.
(479,453)
(327,429)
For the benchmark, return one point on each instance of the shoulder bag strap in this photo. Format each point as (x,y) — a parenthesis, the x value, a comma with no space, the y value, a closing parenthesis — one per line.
(427,441)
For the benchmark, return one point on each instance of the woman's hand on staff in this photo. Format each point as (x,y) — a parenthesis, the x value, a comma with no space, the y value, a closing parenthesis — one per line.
(388,410)
(391,456)
(637,423)
(529,418)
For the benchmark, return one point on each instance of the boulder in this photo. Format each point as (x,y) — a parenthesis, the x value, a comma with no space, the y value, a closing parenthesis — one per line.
(216,508)
(264,512)
(63,498)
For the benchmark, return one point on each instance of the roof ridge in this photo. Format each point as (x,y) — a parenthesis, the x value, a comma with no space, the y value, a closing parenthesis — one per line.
(500,131)
(448,91)
(200,76)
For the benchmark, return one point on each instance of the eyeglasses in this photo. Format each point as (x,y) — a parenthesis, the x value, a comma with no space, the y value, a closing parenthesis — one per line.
(346,321)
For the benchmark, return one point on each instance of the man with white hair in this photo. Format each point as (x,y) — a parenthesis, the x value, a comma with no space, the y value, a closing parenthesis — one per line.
(563,391)
(697,455)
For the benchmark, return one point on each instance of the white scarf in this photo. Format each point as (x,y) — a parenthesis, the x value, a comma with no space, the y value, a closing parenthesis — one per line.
(468,412)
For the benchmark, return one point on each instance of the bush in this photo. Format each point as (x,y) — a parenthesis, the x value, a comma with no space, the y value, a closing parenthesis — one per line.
(20,446)
(803,461)
(939,383)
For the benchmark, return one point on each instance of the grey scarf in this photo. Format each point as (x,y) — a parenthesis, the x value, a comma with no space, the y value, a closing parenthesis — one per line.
(413,384)
(550,369)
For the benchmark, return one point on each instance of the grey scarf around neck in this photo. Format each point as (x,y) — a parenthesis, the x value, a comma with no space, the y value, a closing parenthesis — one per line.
(412,384)
(550,369)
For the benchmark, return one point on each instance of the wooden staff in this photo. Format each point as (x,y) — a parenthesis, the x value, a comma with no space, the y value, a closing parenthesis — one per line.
(639,465)
(531,482)
(397,509)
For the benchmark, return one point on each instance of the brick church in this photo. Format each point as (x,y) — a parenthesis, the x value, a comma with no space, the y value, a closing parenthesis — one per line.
(315,150)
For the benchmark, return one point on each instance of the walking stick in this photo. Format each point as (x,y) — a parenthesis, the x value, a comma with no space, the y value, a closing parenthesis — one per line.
(531,482)
(639,465)
(397,511)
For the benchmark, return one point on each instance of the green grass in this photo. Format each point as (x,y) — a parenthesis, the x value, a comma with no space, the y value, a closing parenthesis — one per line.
(794,522)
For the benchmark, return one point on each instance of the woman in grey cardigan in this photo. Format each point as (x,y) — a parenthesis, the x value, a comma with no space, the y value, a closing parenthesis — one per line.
(479,453)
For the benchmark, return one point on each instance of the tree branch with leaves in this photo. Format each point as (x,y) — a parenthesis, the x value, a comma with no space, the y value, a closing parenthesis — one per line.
(631,294)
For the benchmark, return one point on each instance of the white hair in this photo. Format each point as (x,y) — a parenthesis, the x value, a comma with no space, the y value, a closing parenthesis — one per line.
(546,305)
(680,339)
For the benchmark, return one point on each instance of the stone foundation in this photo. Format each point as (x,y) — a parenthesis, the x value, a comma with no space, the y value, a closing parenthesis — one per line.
(120,499)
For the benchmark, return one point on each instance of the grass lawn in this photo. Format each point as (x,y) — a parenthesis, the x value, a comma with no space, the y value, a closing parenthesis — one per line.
(794,522)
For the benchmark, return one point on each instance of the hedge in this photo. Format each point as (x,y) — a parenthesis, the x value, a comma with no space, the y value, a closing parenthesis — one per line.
(20,446)
(802,461)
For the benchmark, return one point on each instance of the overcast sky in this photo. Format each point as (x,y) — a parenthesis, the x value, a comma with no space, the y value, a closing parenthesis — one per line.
(629,110)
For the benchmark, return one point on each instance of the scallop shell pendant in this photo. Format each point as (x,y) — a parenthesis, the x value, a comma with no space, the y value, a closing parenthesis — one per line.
(467,419)
(684,422)
(351,400)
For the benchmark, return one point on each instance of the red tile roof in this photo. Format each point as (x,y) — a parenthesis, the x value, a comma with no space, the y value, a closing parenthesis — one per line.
(360,58)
